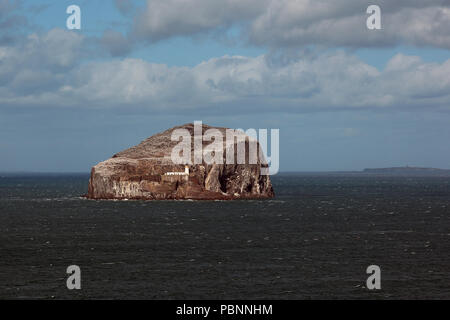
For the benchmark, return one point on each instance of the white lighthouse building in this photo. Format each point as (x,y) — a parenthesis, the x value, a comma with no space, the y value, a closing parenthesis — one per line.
(185,173)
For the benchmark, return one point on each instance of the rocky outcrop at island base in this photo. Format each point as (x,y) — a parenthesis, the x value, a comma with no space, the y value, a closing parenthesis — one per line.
(147,172)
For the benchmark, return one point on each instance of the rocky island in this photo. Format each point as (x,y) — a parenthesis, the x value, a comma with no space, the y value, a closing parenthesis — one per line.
(147,172)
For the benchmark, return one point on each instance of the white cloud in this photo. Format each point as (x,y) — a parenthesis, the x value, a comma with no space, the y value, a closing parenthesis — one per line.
(166,18)
(281,23)
(116,43)
(343,23)
(11,20)
(45,70)
(124,6)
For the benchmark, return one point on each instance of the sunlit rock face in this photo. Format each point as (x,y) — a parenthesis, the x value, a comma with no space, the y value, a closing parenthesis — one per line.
(147,172)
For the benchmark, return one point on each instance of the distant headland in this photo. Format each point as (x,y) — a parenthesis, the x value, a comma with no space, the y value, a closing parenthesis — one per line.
(407,170)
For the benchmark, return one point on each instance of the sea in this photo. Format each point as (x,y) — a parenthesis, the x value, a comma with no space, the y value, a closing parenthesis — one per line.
(314,240)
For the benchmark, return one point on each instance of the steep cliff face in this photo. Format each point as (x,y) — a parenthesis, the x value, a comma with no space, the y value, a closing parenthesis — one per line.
(141,172)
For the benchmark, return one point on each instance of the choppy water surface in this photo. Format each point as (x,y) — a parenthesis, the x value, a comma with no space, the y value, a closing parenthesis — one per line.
(314,240)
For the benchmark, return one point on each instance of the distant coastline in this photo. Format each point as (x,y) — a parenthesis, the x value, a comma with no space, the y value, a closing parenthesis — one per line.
(407,171)
(391,171)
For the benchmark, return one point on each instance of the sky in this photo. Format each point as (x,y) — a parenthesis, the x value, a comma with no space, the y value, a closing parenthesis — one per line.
(343,97)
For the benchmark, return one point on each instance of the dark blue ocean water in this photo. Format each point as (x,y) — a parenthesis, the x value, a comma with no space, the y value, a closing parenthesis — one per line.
(314,240)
